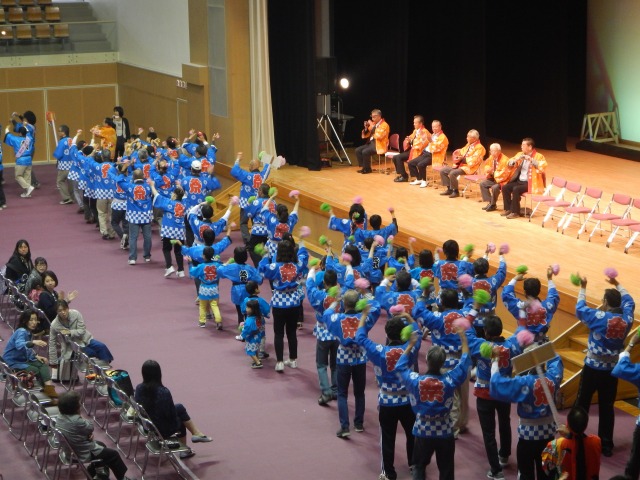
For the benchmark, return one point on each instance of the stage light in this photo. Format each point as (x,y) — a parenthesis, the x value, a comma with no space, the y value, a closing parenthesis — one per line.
(3,32)
(344,82)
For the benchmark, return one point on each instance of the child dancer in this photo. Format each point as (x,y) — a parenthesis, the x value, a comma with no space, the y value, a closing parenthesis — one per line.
(251,332)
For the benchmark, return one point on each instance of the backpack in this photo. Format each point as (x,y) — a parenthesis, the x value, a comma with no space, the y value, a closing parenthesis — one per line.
(123,381)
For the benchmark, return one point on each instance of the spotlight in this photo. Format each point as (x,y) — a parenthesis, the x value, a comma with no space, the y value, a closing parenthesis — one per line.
(344,82)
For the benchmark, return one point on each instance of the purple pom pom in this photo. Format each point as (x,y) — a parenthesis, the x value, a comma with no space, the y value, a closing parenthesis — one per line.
(305,231)
(491,247)
(235,200)
(504,248)
(462,323)
(379,239)
(525,337)
(362,283)
(294,193)
(555,269)
(465,280)
(396,309)
(357,200)
(347,258)
(610,272)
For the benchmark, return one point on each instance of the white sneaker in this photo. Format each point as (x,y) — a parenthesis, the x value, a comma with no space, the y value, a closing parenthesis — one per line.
(30,190)
(239,338)
(180,274)
(169,271)
(423,184)
(123,241)
(291,363)
(279,366)
(415,182)
(132,262)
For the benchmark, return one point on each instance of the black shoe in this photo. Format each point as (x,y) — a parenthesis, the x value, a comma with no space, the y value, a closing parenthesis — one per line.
(401,179)
(359,171)
(491,208)
(263,355)
(447,192)
(324,399)
(486,206)
(364,172)
(454,194)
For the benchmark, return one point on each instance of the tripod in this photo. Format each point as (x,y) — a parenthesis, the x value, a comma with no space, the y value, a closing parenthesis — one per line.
(323,123)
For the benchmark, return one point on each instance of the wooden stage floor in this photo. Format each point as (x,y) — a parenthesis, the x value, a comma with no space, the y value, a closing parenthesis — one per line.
(423,213)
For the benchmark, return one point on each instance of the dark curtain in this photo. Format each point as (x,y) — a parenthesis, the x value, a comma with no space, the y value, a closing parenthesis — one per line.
(291,58)
(508,69)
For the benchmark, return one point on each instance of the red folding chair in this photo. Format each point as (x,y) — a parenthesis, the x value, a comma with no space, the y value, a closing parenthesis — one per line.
(617,208)
(584,209)
(574,190)
(553,191)
(626,222)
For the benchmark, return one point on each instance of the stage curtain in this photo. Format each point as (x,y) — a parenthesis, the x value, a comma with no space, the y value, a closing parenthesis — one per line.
(262,134)
(292,64)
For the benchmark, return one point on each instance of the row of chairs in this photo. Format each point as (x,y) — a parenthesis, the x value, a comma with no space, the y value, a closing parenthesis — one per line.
(17,15)
(24,3)
(570,202)
(44,31)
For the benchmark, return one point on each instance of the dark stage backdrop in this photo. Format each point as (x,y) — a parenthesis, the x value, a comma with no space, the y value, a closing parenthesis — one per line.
(508,69)
(291,58)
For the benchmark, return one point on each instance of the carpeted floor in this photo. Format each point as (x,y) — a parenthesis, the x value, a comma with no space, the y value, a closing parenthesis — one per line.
(265,425)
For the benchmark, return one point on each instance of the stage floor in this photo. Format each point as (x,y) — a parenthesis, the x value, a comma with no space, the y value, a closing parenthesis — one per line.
(422,212)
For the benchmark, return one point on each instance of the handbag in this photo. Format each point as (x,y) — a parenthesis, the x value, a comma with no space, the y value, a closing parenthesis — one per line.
(27,379)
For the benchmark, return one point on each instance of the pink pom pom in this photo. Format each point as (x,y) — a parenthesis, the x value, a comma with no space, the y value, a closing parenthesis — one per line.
(305,232)
(396,309)
(347,258)
(362,283)
(610,272)
(462,323)
(439,251)
(378,239)
(491,247)
(555,269)
(233,225)
(357,200)
(534,306)
(412,239)
(504,248)
(294,193)
(465,281)
(391,209)
(235,200)
(525,337)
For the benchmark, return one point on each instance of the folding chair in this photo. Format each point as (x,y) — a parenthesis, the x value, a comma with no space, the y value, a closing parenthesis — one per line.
(583,210)
(52,14)
(621,203)
(394,149)
(35,411)
(474,179)
(574,190)
(127,417)
(157,446)
(68,458)
(434,175)
(553,191)
(34,14)
(16,15)
(100,390)
(626,222)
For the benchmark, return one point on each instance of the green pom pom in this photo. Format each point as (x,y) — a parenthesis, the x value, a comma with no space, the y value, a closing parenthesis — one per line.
(356,215)
(486,349)
(323,240)
(259,249)
(425,283)
(333,291)
(575,279)
(240,328)
(360,304)
(401,260)
(481,296)
(351,238)
(314,262)
(209,199)
(173,242)
(405,333)
(468,247)
(325,207)
(522,269)
(251,199)
(261,154)
(638,333)
(273,191)
(231,260)
(389,271)
(389,240)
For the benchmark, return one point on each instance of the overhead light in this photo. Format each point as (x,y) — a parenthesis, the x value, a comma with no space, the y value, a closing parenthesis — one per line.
(344,82)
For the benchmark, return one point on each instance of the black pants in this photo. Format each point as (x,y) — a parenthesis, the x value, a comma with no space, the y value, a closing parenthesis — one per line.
(364,153)
(399,160)
(445,450)
(90,209)
(632,469)
(118,218)
(111,459)
(511,194)
(3,199)
(253,241)
(285,320)
(530,459)
(487,410)
(606,385)
(177,251)
(418,166)
(389,418)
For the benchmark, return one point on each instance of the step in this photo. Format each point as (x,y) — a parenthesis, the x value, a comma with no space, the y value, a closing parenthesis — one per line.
(581,340)
(570,356)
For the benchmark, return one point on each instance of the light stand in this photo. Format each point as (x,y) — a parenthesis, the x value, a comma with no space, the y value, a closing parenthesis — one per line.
(323,123)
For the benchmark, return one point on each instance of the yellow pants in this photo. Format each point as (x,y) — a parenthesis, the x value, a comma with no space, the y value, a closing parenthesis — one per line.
(204,304)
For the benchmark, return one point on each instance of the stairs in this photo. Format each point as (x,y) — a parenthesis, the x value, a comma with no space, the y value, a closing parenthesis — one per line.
(223,199)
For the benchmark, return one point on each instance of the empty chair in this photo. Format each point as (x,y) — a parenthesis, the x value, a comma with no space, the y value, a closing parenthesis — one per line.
(27,3)
(16,15)
(52,14)
(625,222)
(3,16)
(553,191)
(43,32)
(23,32)
(618,207)
(394,149)
(7,3)
(61,31)
(572,191)
(126,418)
(34,14)
(433,174)
(584,209)
(44,3)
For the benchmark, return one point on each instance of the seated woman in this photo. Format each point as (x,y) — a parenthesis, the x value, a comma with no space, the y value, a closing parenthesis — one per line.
(48,297)
(71,324)
(19,353)
(20,265)
(79,434)
(40,266)
(169,418)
